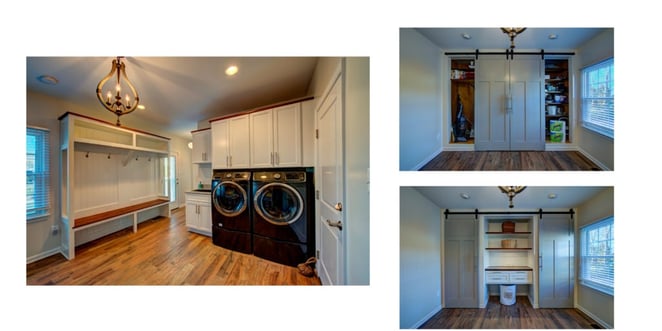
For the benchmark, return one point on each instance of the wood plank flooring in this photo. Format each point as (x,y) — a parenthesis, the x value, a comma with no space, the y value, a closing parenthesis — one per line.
(521,315)
(162,252)
(500,160)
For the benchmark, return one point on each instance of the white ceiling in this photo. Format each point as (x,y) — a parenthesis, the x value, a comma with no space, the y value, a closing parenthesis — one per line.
(491,198)
(494,38)
(179,92)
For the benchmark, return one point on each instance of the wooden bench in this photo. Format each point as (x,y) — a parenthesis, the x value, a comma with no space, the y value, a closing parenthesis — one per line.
(107,216)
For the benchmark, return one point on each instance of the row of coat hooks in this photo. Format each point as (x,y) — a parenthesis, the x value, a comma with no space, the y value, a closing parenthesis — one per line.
(510,53)
(149,158)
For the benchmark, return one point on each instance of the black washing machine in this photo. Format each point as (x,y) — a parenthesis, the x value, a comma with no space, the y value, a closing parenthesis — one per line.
(283,215)
(231,211)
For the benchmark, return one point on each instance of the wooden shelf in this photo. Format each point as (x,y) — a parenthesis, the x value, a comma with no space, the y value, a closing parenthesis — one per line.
(507,249)
(500,232)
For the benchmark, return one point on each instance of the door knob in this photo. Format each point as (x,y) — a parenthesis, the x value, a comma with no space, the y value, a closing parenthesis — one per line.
(335,224)
(338,206)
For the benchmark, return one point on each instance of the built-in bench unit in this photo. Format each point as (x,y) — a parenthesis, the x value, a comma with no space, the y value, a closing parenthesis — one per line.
(111,177)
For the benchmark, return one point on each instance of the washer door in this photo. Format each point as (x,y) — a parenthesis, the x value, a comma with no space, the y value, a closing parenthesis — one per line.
(229,198)
(278,203)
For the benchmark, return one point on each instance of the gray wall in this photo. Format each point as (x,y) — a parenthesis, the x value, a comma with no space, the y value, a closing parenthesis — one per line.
(420,258)
(43,111)
(597,304)
(420,100)
(599,147)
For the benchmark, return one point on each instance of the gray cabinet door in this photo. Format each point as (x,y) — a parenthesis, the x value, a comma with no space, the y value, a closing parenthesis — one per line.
(460,263)
(556,262)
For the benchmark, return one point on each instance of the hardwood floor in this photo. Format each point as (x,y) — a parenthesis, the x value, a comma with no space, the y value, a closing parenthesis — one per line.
(498,160)
(162,252)
(521,315)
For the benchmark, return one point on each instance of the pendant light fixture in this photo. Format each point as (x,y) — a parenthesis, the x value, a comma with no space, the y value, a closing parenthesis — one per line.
(511,191)
(512,33)
(113,101)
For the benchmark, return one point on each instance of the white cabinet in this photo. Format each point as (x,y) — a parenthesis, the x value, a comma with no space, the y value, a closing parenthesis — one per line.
(508,277)
(198,213)
(201,146)
(230,143)
(275,137)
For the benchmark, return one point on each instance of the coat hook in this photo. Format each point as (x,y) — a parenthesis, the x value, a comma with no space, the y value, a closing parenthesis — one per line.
(149,159)
(87,154)
(108,156)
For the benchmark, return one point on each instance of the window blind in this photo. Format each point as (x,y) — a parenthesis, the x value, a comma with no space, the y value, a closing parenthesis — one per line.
(598,97)
(37,173)
(597,255)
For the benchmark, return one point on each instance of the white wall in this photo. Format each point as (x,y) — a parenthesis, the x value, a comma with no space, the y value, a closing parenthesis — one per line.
(420,258)
(599,147)
(420,100)
(43,111)
(596,304)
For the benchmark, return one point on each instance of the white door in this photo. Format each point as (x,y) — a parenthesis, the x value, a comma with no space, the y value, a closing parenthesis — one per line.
(330,188)
(460,262)
(556,262)
(173,183)
(509,104)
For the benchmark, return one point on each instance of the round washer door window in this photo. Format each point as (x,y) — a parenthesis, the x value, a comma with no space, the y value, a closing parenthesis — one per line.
(229,199)
(278,203)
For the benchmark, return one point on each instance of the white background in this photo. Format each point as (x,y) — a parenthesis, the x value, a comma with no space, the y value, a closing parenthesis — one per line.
(323,28)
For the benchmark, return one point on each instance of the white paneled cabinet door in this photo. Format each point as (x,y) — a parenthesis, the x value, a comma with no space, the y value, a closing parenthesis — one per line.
(461,262)
(556,262)
(509,103)
(201,146)
(262,152)
(287,136)
(329,175)
(239,142)
(220,145)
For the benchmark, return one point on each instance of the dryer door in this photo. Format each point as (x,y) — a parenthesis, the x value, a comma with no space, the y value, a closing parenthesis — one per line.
(278,203)
(229,199)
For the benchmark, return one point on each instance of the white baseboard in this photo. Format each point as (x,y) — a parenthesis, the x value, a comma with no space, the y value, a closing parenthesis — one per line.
(427,159)
(425,318)
(43,255)
(594,160)
(560,147)
(595,318)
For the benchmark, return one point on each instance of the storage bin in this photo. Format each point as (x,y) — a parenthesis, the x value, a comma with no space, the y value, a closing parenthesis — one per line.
(508,243)
(507,294)
(508,226)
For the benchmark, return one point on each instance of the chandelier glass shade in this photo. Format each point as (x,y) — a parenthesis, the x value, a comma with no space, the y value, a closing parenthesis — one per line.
(113,100)
(512,33)
(511,192)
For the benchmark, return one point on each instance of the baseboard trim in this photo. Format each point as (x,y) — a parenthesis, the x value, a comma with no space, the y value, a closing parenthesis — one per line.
(43,255)
(595,318)
(425,318)
(594,160)
(425,161)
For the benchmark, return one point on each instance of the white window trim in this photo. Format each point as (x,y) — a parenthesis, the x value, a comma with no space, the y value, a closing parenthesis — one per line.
(585,282)
(588,125)
(47,214)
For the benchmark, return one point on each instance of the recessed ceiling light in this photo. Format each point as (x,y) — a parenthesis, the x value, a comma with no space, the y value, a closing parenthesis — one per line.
(141,106)
(466,36)
(552,36)
(48,80)
(231,70)
(551,196)
(465,196)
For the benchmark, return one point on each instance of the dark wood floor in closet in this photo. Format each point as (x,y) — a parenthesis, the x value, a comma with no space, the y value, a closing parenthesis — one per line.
(162,252)
(521,315)
(499,160)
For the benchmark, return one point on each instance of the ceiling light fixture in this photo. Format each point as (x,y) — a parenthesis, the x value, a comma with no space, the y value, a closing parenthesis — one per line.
(231,70)
(465,196)
(552,36)
(48,79)
(511,191)
(512,33)
(551,196)
(116,104)
(466,36)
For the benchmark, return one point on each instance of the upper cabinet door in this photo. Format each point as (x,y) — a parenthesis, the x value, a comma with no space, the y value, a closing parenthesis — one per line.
(201,147)
(239,138)
(287,136)
(220,155)
(261,144)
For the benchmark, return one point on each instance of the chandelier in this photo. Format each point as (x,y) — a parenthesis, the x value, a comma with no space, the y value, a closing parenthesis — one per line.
(512,33)
(511,191)
(113,101)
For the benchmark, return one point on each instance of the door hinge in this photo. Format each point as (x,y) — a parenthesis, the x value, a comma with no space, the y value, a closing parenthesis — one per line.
(317,253)
(317,133)
(317,194)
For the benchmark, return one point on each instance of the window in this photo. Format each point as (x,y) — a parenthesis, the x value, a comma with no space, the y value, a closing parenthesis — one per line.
(37,173)
(598,98)
(597,255)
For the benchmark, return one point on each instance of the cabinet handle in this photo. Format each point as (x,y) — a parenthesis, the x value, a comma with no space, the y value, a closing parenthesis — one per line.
(230,161)
(272,158)
(227,162)
(277,159)
(540,262)
(204,156)
(335,224)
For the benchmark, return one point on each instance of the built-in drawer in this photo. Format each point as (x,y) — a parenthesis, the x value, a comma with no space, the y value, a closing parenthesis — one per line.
(508,277)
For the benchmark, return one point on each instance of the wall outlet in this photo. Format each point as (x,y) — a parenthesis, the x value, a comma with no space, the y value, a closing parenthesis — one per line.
(55,229)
